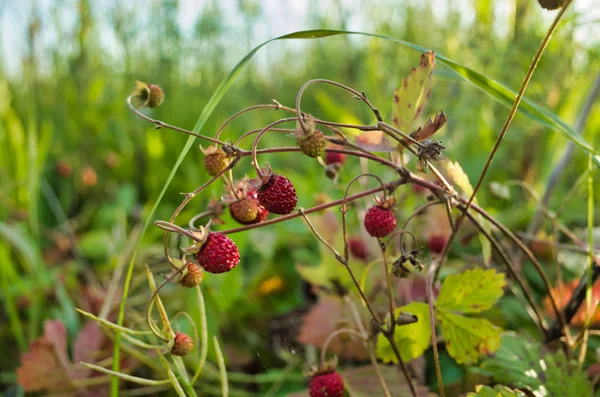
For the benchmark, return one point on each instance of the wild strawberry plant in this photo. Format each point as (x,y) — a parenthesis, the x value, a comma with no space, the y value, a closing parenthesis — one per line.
(372,248)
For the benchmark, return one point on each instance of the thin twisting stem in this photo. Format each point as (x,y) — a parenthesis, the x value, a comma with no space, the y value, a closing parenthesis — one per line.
(241,112)
(514,108)
(260,134)
(530,299)
(388,280)
(186,200)
(296,214)
(402,365)
(358,95)
(321,239)
(161,124)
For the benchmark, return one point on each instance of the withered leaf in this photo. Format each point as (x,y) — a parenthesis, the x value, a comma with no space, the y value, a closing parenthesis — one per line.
(324,318)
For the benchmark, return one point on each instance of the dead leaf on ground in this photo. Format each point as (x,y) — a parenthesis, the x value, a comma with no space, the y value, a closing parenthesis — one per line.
(328,315)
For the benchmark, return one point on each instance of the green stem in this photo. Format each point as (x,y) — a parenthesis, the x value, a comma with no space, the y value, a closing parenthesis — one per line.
(515,107)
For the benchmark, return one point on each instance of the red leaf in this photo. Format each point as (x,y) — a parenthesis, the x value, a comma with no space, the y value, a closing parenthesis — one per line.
(562,296)
(46,365)
(86,347)
(324,318)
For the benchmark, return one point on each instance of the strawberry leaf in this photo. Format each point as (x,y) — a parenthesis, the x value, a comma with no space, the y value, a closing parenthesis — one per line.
(497,391)
(564,378)
(46,366)
(516,363)
(467,339)
(324,318)
(413,94)
(519,363)
(471,291)
(412,340)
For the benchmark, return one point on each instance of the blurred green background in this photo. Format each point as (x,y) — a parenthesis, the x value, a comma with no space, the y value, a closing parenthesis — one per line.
(79,172)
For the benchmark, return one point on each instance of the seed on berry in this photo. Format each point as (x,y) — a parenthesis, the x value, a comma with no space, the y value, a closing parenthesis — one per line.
(379,221)
(278,195)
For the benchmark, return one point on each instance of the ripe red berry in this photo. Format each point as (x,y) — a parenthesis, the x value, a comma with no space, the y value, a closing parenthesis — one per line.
(329,384)
(333,158)
(248,210)
(379,221)
(193,276)
(436,243)
(218,254)
(358,248)
(278,195)
(183,344)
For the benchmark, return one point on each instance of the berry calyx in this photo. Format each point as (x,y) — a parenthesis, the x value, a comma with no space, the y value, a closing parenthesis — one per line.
(148,95)
(380,219)
(183,344)
(215,160)
(329,384)
(193,276)
(311,141)
(218,254)
(156,96)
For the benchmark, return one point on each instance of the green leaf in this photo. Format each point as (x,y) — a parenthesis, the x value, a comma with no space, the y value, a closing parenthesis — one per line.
(412,340)
(497,391)
(471,291)
(458,176)
(467,339)
(519,363)
(516,363)
(413,94)
(564,378)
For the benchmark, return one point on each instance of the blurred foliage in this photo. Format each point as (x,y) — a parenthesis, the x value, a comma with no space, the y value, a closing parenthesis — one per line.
(79,171)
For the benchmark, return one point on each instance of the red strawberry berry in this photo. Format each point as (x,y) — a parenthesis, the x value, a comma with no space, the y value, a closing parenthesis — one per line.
(193,276)
(218,254)
(436,243)
(248,210)
(333,158)
(329,384)
(358,248)
(183,344)
(379,221)
(278,195)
